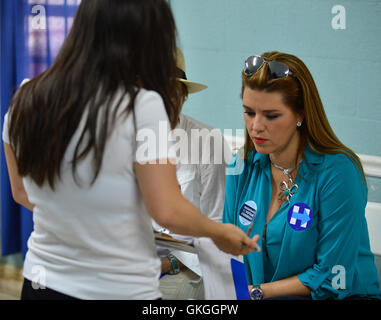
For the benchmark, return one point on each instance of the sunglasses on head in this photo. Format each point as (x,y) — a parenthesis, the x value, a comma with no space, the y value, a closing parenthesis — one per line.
(277,69)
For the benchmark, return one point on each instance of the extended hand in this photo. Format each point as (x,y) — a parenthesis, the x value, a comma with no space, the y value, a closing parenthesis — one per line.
(231,239)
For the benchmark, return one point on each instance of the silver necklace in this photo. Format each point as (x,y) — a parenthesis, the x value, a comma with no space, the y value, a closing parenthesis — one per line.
(287,188)
(285,171)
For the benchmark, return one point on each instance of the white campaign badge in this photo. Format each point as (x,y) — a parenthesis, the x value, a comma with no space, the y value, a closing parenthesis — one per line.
(248,212)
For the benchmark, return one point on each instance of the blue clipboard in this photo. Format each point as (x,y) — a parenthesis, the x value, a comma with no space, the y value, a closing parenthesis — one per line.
(240,281)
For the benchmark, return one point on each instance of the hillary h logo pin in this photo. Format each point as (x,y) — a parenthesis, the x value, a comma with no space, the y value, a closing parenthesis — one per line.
(299,216)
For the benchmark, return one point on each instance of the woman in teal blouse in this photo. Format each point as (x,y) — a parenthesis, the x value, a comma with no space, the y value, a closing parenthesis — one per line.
(295,184)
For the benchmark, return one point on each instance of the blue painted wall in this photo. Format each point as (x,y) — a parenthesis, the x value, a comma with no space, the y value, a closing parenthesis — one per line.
(217,35)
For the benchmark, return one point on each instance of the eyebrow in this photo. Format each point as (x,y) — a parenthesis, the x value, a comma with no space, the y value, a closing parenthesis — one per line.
(264,111)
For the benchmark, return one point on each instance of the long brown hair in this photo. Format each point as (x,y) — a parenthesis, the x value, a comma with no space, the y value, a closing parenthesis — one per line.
(112,45)
(300,93)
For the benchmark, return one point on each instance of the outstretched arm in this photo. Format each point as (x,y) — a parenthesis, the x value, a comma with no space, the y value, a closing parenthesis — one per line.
(166,205)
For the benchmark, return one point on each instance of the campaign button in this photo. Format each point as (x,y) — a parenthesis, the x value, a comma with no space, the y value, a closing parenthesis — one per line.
(299,216)
(248,212)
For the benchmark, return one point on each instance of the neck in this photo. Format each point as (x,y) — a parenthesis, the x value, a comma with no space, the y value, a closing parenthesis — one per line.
(287,157)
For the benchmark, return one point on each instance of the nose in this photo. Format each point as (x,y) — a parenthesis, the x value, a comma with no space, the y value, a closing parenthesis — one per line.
(257,124)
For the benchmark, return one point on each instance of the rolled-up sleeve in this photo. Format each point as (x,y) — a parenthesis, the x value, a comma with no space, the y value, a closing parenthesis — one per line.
(340,220)
(152,129)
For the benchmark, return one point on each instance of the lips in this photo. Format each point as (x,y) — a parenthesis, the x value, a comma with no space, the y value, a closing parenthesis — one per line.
(258,140)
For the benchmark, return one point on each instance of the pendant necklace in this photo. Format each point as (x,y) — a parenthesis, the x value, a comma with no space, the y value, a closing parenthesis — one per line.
(287,188)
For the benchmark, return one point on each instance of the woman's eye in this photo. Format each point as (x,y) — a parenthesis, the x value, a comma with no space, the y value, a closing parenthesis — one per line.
(272,116)
(250,114)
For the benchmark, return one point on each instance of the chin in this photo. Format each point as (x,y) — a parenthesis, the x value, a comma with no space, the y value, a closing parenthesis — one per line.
(262,149)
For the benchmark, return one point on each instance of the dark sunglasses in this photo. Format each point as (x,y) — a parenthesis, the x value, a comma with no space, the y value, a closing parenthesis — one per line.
(278,69)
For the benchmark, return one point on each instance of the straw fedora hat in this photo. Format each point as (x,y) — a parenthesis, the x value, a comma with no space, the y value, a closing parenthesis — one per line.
(191,86)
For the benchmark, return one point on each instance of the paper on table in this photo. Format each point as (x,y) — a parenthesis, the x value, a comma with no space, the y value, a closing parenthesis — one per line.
(217,271)
(179,245)
(169,242)
(190,260)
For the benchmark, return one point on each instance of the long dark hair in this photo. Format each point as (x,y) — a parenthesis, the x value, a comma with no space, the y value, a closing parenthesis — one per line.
(112,45)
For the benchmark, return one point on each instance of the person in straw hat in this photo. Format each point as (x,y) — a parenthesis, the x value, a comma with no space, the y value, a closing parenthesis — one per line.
(201,176)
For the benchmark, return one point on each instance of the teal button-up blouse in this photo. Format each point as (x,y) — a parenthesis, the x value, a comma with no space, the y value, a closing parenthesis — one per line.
(321,235)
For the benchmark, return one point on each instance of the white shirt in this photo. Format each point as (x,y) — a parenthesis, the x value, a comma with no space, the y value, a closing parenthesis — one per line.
(97,242)
(201,175)
(203,183)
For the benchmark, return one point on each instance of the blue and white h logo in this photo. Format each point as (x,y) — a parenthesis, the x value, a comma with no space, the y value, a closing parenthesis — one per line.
(299,216)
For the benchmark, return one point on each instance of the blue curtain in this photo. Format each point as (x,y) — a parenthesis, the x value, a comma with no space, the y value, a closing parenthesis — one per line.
(32,33)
